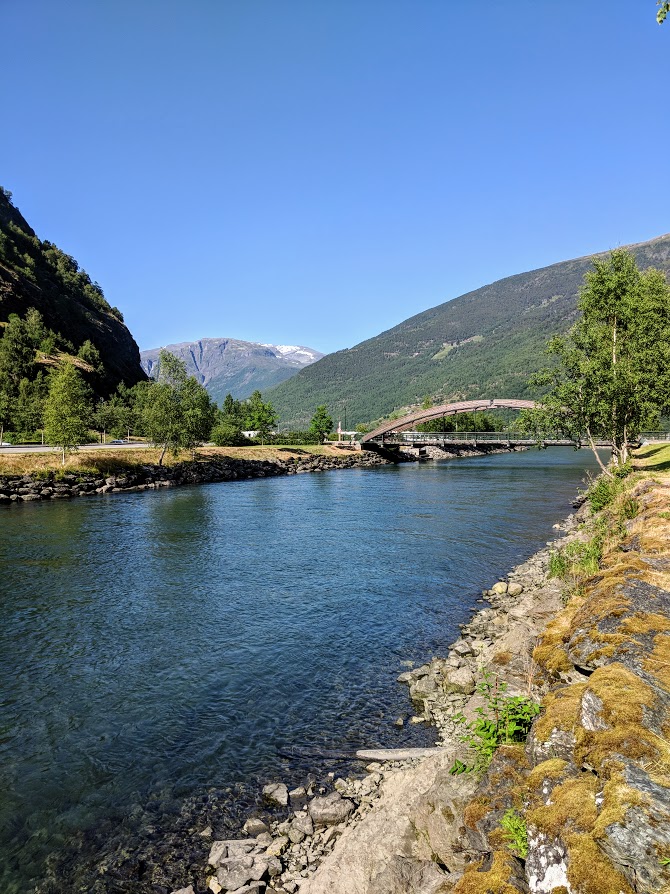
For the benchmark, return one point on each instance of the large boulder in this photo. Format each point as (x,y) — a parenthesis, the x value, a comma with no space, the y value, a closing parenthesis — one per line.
(330,809)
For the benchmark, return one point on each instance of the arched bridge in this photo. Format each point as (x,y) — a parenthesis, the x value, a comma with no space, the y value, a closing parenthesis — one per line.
(409,423)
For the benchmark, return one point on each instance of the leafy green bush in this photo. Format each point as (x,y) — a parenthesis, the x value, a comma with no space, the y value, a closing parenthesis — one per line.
(577,558)
(226,434)
(503,720)
(601,493)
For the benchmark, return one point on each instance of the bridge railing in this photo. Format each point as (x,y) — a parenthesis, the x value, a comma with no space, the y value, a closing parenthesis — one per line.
(655,435)
(426,437)
(481,437)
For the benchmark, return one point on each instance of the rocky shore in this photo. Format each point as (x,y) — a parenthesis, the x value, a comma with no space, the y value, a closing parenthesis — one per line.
(353,830)
(589,790)
(56,486)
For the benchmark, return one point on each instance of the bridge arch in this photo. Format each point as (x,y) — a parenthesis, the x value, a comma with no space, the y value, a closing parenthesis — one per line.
(407,423)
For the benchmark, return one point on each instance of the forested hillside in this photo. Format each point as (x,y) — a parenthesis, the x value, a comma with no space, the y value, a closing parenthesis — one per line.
(485,343)
(70,314)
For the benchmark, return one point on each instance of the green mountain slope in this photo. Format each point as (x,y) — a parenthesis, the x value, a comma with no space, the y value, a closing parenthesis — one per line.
(36,274)
(483,344)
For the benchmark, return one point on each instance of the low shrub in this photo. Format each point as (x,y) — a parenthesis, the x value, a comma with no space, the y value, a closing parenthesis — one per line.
(502,720)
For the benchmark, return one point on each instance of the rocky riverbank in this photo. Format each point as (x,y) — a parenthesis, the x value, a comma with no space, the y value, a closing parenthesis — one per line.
(375,818)
(586,800)
(53,485)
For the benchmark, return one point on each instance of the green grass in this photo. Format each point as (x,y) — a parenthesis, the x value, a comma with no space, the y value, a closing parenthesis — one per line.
(653,458)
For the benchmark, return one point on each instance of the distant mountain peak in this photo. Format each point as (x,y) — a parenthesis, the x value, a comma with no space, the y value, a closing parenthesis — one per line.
(231,365)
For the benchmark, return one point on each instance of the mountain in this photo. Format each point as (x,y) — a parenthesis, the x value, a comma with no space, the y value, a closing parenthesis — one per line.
(485,343)
(37,274)
(227,365)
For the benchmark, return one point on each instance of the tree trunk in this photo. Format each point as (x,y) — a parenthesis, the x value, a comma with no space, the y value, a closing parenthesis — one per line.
(63,461)
(160,461)
(593,447)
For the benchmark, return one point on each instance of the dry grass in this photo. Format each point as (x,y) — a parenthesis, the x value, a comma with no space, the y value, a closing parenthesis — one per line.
(119,458)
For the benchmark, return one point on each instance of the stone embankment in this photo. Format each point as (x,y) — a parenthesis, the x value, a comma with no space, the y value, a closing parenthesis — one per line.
(589,792)
(57,486)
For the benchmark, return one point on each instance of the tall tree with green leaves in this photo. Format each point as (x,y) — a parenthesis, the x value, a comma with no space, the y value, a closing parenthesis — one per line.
(178,413)
(67,408)
(612,378)
(261,416)
(322,423)
(663,10)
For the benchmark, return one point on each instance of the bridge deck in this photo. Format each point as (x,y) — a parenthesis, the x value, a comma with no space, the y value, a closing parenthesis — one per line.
(465,438)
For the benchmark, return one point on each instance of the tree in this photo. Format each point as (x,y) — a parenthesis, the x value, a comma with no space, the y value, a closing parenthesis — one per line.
(613,373)
(67,408)
(6,408)
(664,9)
(322,423)
(227,434)
(198,412)
(261,416)
(233,410)
(177,411)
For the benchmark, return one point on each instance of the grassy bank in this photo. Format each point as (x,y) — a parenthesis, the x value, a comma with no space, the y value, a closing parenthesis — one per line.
(653,459)
(114,460)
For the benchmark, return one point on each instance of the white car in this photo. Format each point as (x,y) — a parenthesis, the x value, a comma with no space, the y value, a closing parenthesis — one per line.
(5,444)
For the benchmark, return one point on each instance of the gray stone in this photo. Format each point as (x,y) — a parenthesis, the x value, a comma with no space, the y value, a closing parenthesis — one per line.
(188,890)
(278,846)
(330,810)
(235,872)
(303,821)
(423,687)
(591,710)
(298,795)
(275,867)
(514,589)
(634,843)
(500,588)
(251,888)
(255,826)
(218,852)
(296,835)
(405,677)
(240,846)
(546,863)
(259,869)
(461,647)
(276,793)
(460,680)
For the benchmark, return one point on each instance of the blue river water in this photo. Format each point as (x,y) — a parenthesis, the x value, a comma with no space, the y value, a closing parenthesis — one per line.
(224,635)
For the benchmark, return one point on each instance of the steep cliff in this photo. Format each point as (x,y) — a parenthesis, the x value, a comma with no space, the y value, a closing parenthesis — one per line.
(36,274)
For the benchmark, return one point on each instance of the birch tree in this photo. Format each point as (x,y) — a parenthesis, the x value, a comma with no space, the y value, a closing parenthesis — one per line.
(612,378)
(67,408)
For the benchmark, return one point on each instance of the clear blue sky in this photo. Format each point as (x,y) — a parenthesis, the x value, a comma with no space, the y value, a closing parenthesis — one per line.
(316,171)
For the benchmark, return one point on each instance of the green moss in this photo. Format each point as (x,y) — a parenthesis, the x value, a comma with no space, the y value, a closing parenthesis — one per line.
(499,879)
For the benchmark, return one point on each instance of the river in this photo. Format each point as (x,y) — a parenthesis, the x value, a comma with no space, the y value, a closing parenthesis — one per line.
(164,654)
